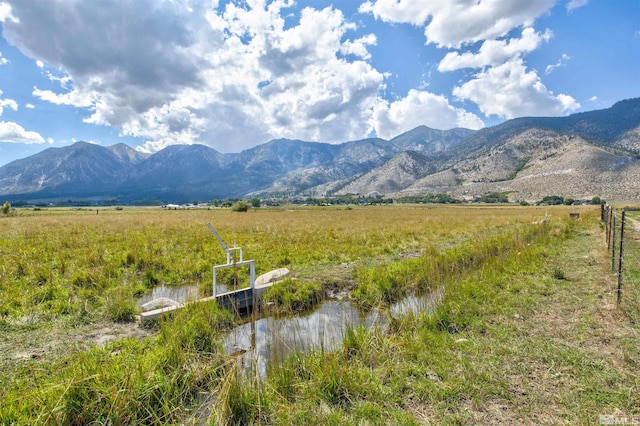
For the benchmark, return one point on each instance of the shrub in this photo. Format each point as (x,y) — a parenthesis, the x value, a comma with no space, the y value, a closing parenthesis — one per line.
(6,208)
(240,206)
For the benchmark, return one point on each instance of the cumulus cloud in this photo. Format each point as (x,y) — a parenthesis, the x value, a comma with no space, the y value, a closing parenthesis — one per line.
(420,108)
(13,132)
(3,60)
(495,52)
(503,87)
(235,75)
(510,91)
(452,23)
(5,13)
(172,72)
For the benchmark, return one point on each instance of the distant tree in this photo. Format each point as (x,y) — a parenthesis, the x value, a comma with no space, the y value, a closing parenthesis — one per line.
(240,206)
(552,200)
(494,197)
(255,203)
(215,202)
(569,201)
(597,201)
(6,208)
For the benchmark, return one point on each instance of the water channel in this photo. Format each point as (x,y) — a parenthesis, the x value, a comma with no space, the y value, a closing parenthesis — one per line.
(260,341)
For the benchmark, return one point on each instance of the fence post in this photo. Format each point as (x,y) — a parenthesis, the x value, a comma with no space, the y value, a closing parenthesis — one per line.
(620,258)
(609,228)
(602,212)
(613,245)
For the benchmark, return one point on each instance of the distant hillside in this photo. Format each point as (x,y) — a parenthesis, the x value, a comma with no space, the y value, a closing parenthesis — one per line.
(582,155)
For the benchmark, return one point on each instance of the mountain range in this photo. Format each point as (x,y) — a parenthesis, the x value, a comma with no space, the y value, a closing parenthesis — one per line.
(583,155)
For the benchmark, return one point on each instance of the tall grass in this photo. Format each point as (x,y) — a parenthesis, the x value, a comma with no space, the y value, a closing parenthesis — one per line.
(70,268)
(129,381)
(384,284)
(62,263)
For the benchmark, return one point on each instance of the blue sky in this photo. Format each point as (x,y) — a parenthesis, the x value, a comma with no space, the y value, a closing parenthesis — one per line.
(234,74)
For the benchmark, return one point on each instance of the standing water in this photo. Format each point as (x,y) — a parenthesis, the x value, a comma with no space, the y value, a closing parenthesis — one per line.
(180,293)
(262,341)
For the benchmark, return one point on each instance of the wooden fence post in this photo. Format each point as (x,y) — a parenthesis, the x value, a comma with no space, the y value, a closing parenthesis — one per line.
(620,258)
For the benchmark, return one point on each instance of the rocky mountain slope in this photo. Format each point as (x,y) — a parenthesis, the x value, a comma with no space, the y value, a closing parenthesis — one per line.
(579,156)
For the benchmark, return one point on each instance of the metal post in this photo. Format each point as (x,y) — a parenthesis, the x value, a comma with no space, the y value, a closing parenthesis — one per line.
(620,258)
(613,250)
(609,230)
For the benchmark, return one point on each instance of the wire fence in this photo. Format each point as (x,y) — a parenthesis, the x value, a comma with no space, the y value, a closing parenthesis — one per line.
(623,242)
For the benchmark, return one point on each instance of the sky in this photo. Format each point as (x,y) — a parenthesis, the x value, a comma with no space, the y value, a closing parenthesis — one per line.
(232,74)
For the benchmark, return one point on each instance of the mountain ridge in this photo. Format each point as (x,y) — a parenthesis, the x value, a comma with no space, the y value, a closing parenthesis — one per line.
(459,162)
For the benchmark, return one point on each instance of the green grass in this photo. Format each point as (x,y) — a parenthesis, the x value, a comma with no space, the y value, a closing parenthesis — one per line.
(495,350)
(288,296)
(523,333)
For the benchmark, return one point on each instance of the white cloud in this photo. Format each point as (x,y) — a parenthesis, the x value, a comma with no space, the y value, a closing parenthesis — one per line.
(574,4)
(183,72)
(561,63)
(65,81)
(495,52)
(76,97)
(509,91)
(593,99)
(39,63)
(3,60)
(420,108)
(13,132)
(359,47)
(5,13)
(10,103)
(452,23)
(30,106)
(231,78)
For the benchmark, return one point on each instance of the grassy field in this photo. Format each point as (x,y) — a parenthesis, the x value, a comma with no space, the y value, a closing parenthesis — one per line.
(527,332)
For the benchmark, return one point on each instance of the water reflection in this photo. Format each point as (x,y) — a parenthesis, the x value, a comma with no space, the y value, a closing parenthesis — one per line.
(181,293)
(271,339)
(415,305)
(262,341)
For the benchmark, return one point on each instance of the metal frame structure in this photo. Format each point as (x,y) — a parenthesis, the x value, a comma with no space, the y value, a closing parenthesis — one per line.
(232,262)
